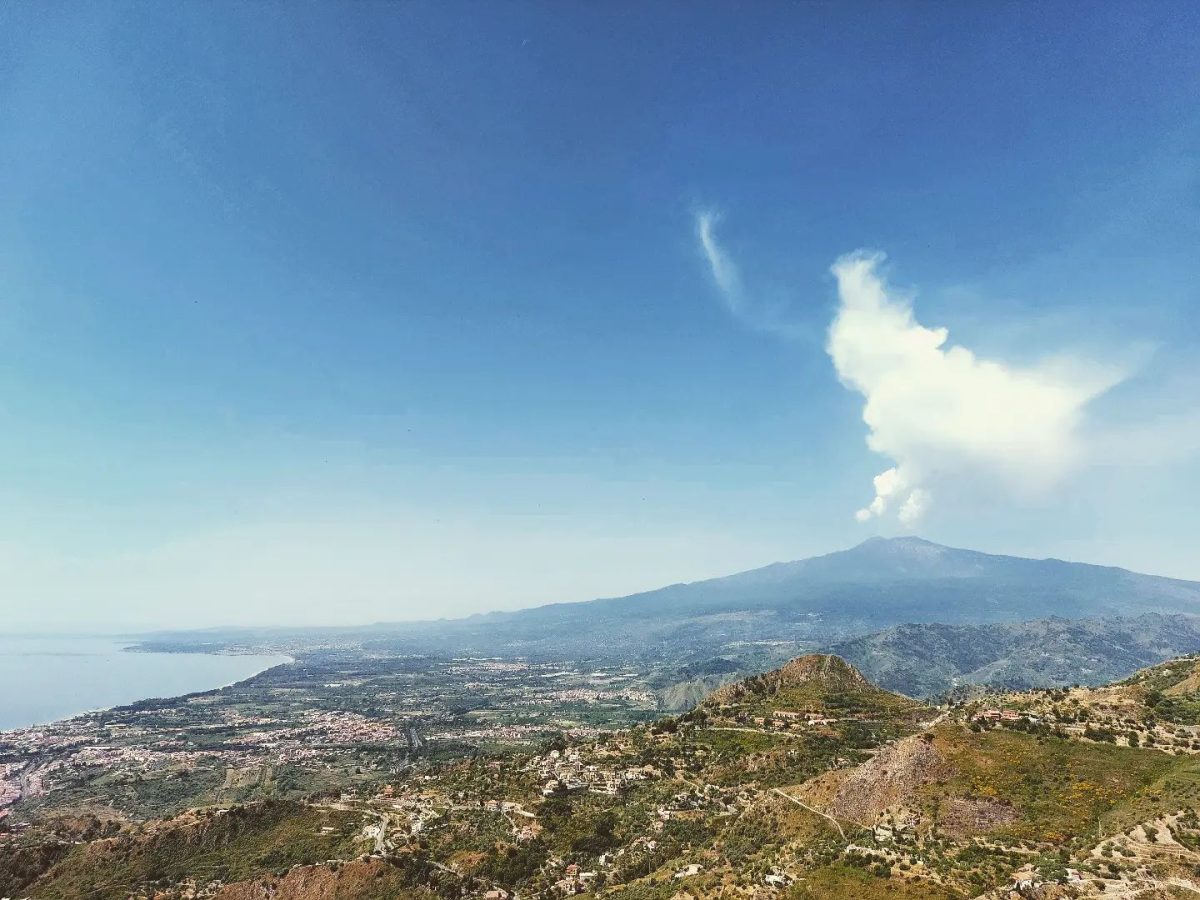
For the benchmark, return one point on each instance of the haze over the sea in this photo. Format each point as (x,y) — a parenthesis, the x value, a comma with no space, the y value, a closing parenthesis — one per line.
(44,678)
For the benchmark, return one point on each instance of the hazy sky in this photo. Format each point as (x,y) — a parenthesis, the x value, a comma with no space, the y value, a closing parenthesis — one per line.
(348,312)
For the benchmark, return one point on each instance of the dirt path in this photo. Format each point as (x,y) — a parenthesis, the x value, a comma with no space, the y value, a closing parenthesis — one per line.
(836,823)
(935,722)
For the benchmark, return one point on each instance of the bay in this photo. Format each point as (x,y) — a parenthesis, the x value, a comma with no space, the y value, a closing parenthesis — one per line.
(43,679)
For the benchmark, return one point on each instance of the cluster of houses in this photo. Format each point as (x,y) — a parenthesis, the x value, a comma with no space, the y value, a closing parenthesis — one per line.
(63,736)
(574,881)
(778,879)
(419,809)
(693,804)
(79,747)
(505,732)
(778,720)
(148,758)
(12,790)
(598,695)
(327,727)
(790,720)
(10,785)
(1026,880)
(896,824)
(562,772)
(524,823)
(1001,716)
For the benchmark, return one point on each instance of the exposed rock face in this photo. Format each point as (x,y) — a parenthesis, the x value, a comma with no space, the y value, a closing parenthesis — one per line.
(824,668)
(686,695)
(891,778)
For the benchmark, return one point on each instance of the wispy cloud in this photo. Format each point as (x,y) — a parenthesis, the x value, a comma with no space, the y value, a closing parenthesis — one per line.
(724,271)
(754,311)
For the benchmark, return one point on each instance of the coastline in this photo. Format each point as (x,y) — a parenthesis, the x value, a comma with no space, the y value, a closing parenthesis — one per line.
(143,646)
(142,682)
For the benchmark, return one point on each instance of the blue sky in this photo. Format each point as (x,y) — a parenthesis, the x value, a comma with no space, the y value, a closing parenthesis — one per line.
(375,311)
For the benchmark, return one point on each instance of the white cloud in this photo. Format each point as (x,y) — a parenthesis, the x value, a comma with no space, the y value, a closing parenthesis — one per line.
(933,408)
(937,409)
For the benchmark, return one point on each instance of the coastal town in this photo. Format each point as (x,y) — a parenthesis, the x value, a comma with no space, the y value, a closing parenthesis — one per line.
(324,723)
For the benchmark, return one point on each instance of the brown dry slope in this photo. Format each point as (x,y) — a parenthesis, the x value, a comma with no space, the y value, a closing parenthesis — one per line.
(370,879)
(892,777)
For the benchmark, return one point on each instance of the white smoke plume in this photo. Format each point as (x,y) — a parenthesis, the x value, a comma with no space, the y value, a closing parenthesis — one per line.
(934,408)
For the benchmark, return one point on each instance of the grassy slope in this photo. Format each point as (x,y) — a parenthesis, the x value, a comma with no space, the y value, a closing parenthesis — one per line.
(1170,691)
(1060,788)
(843,882)
(1178,788)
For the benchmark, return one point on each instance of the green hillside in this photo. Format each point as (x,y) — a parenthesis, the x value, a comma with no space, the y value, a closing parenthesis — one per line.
(807,781)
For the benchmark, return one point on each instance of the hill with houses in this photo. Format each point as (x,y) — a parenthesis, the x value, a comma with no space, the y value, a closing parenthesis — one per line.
(808,781)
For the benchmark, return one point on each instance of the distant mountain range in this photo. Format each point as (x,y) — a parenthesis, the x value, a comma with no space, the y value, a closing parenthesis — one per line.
(877,584)
(925,660)
(749,621)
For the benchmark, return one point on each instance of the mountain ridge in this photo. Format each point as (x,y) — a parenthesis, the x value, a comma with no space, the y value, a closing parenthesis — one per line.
(874,549)
(807,604)
(927,659)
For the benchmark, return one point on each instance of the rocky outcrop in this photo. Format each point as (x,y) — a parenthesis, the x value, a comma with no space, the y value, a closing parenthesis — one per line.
(891,778)
(821,672)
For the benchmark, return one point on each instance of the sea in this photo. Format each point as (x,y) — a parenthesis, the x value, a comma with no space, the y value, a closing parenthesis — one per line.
(43,679)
